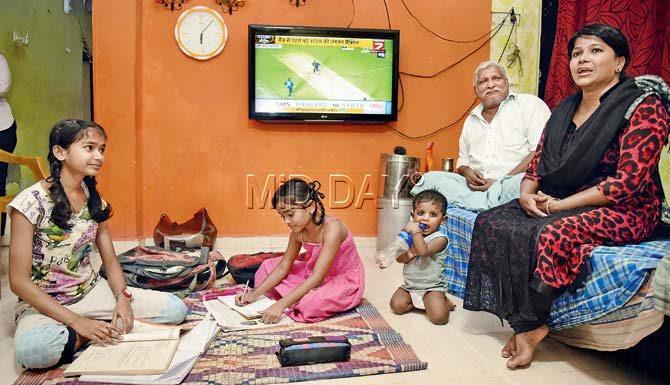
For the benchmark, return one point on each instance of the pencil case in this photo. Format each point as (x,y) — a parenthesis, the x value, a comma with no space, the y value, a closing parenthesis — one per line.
(313,350)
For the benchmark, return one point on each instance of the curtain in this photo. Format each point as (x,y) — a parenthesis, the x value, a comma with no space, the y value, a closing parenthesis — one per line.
(643,22)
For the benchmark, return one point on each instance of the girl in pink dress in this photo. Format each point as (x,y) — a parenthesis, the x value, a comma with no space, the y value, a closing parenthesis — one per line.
(330,281)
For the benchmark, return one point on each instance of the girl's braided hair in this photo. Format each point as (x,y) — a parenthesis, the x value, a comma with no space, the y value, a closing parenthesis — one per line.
(64,134)
(300,193)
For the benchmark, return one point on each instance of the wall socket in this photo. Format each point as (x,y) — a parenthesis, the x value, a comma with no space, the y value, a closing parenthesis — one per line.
(20,39)
(497,18)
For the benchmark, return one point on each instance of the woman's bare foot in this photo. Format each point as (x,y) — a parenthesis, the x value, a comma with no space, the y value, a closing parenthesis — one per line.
(510,348)
(525,346)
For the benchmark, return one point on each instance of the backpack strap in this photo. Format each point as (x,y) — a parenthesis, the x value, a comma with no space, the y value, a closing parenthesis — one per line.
(211,264)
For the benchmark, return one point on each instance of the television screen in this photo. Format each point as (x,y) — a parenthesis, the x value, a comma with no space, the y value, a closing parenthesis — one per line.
(323,74)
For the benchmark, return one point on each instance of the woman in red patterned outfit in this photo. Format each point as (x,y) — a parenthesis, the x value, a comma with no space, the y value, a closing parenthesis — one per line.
(593,181)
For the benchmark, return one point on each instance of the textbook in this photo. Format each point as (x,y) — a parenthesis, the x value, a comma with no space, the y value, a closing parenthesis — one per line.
(250,311)
(147,349)
(192,345)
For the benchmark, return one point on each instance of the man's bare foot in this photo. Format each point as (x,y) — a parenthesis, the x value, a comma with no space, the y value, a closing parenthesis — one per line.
(525,346)
(510,348)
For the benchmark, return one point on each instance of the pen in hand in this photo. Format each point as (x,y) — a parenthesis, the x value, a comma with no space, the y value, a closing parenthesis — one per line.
(244,293)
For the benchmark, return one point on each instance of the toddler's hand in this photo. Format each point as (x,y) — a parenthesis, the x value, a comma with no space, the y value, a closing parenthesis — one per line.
(406,257)
(412,227)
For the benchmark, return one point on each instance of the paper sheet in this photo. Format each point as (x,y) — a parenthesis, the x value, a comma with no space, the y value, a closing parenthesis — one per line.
(144,331)
(252,310)
(230,320)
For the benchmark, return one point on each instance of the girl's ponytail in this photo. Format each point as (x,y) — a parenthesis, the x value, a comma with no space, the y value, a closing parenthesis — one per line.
(98,213)
(62,211)
(315,195)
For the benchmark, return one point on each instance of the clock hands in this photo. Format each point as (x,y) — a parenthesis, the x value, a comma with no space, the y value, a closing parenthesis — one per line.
(203,30)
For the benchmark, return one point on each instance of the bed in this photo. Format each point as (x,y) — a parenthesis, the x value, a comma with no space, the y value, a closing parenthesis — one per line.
(615,308)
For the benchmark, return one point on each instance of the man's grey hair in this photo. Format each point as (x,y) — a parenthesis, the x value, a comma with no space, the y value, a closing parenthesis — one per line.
(486,64)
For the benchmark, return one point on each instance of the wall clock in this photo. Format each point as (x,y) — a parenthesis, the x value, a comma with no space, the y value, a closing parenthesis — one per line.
(201,32)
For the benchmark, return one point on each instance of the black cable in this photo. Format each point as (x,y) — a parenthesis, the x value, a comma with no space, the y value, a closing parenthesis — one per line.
(388,17)
(467,111)
(508,37)
(353,13)
(474,102)
(402,93)
(497,29)
(459,60)
(440,36)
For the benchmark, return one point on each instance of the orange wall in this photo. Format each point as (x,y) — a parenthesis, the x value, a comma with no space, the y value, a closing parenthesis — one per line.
(180,139)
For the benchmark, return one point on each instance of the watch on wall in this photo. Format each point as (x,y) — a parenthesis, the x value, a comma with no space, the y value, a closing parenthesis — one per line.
(201,33)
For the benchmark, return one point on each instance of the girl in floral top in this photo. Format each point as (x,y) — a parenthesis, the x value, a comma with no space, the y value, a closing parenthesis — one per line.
(56,225)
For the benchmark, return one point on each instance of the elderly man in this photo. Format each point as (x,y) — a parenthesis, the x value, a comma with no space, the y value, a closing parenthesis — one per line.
(498,141)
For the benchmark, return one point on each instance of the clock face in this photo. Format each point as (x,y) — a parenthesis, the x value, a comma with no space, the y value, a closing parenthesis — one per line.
(201,33)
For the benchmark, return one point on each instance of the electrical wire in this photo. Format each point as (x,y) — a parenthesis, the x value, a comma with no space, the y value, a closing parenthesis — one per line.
(496,30)
(507,42)
(459,60)
(402,93)
(402,90)
(428,135)
(467,111)
(353,13)
(440,36)
(388,17)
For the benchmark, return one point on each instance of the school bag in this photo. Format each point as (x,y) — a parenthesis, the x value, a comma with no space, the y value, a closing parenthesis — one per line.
(243,267)
(159,269)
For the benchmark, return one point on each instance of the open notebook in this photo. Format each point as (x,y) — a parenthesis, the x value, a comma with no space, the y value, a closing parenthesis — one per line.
(147,349)
(250,311)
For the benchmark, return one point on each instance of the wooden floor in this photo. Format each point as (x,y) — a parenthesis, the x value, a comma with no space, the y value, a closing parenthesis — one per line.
(465,351)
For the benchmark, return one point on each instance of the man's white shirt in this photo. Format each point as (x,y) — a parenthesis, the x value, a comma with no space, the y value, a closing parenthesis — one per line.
(495,148)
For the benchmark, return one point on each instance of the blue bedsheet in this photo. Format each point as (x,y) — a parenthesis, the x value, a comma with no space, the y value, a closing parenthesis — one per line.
(618,273)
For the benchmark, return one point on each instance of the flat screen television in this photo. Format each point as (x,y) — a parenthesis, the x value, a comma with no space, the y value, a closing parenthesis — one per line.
(317,74)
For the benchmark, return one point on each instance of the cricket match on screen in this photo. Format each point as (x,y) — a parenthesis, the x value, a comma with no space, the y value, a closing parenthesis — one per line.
(309,74)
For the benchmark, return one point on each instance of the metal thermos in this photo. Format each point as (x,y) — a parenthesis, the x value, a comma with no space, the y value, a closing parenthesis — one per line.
(398,175)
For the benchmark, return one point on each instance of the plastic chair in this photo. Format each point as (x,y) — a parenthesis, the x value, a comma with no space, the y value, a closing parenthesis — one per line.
(36,165)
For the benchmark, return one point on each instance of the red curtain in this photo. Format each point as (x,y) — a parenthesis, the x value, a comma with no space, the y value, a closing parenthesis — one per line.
(643,22)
